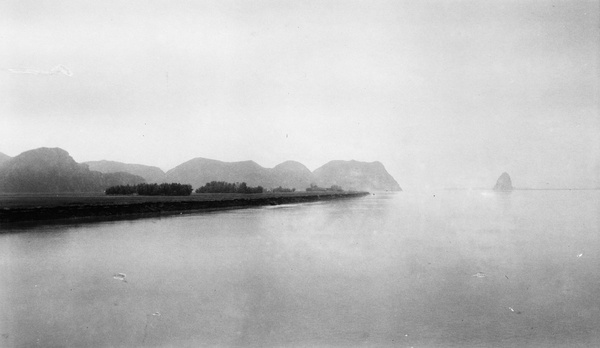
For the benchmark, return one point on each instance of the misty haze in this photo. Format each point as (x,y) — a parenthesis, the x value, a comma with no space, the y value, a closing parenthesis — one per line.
(300,174)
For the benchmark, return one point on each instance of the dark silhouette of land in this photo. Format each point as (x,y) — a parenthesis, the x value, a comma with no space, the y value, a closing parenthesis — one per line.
(34,207)
(503,183)
(53,170)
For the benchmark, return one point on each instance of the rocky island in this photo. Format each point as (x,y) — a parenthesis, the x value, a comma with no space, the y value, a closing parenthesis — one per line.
(503,183)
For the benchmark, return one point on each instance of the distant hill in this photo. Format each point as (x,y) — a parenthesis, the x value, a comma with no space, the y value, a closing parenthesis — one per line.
(355,175)
(291,174)
(200,171)
(504,183)
(350,175)
(149,173)
(3,158)
(53,170)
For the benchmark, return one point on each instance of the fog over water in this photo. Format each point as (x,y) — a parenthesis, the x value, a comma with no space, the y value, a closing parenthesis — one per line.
(438,269)
(443,93)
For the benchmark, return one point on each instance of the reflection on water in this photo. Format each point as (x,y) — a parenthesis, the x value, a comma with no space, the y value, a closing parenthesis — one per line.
(456,268)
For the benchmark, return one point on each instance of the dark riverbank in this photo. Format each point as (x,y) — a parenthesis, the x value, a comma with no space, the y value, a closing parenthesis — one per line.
(18,208)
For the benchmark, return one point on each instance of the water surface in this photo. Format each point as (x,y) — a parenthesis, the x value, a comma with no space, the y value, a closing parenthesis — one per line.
(437,269)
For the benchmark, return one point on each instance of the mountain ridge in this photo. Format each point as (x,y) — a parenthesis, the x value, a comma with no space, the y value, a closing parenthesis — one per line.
(54,170)
(356,175)
(150,173)
(95,175)
(3,158)
(351,175)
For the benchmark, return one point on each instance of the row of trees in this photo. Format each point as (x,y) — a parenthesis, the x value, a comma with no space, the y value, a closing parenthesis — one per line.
(284,189)
(164,189)
(315,188)
(175,189)
(226,187)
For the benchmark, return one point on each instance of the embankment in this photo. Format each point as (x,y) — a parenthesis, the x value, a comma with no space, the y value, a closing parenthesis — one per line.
(17,209)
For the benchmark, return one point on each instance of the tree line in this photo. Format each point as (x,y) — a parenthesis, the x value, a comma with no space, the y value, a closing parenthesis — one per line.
(226,187)
(173,189)
(315,188)
(284,189)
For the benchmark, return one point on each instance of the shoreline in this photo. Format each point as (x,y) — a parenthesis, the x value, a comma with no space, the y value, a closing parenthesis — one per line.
(31,208)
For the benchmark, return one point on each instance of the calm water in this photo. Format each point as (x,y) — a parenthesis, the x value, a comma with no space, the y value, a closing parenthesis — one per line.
(385,270)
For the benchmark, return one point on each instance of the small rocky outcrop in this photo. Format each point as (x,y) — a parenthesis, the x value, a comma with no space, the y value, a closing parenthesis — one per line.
(503,183)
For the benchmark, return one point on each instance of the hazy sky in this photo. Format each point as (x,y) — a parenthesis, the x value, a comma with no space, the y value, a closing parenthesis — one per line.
(443,93)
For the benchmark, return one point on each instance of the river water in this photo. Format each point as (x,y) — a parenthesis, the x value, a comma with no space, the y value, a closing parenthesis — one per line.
(431,269)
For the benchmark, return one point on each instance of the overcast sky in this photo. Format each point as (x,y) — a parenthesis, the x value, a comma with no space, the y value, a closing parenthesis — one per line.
(443,93)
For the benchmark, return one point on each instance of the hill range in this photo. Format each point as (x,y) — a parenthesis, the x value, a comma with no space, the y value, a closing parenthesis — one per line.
(54,170)
(50,170)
